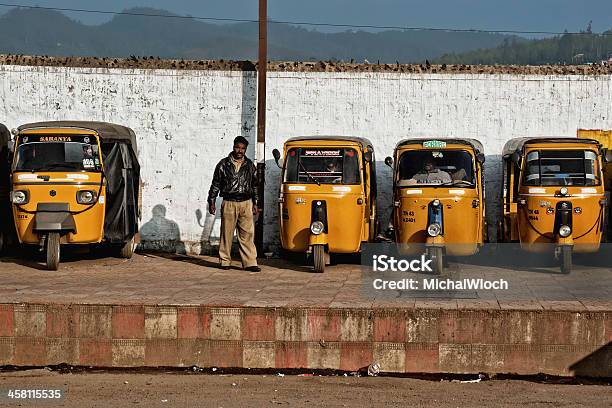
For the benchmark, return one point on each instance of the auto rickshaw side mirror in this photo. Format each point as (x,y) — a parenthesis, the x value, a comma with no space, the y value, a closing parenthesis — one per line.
(367,156)
(277,157)
(516,158)
(481,158)
(389,161)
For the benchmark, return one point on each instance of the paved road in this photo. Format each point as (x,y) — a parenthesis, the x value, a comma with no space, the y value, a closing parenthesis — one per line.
(190,390)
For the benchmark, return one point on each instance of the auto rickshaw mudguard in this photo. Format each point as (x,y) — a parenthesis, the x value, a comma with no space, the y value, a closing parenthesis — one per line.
(434,241)
(54,217)
(320,239)
(569,241)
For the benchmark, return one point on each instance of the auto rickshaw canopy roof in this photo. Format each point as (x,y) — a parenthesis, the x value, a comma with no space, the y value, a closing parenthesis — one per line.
(473,143)
(362,141)
(517,144)
(108,132)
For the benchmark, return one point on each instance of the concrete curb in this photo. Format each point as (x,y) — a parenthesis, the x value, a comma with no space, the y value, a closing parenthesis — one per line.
(401,340)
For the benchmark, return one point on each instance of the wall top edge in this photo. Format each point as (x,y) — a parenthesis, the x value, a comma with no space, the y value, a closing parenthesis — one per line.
(154,63)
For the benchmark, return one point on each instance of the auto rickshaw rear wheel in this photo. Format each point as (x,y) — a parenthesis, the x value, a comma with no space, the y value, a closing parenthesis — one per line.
(566,259)
(53,251)
(318,258)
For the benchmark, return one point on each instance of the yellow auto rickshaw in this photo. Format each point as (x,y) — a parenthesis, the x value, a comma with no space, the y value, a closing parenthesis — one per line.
(75,183)
(553,193)
(327,201)
(438,197)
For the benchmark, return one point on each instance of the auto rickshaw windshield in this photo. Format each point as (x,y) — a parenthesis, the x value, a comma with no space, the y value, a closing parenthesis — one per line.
(322,166)
(561,168)
(57,156)
(435,168)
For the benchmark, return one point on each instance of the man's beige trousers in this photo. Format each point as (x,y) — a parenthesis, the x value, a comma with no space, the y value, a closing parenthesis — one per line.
(237,215)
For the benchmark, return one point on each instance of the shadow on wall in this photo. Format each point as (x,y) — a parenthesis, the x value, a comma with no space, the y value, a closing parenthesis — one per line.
(271,192)
(493,186)
(160,233)
(596,364)
(209,244)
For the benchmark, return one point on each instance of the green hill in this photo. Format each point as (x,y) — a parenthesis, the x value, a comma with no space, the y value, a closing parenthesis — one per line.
(44,32)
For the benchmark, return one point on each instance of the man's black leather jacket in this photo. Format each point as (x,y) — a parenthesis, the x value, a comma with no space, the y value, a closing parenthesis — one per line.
(232,185)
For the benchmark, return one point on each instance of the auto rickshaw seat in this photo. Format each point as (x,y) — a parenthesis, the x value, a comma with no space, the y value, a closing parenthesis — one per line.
(460,174)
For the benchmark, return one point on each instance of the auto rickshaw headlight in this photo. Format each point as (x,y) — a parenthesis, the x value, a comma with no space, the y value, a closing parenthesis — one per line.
(565,231)
(563,191)
(317,227)
(20,197)
(435,203)
(434,230)
(86,197)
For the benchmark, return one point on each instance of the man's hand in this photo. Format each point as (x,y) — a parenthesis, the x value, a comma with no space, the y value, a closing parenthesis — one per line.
(212,208)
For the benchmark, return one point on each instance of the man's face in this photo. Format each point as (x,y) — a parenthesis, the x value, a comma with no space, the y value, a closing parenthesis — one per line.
(428,165)
(239,151)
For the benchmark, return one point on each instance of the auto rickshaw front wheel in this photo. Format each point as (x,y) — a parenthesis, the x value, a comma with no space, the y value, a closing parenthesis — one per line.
(53,251)
(437,256)
(566,259)
(318,258)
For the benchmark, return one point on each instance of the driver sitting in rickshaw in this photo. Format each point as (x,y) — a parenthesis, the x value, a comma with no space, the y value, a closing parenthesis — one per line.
(335,174)
(430,174)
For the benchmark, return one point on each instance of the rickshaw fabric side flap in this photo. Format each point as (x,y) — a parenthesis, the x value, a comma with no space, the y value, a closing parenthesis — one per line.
(6,228)
(122,172)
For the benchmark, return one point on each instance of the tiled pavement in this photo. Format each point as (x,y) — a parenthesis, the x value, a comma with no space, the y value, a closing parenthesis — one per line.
(181,280)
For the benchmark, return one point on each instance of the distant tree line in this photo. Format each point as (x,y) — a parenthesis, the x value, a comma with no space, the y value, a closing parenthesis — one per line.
(576,48)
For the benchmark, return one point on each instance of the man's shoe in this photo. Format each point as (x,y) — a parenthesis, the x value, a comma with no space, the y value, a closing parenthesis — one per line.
(225,267)
(253,268)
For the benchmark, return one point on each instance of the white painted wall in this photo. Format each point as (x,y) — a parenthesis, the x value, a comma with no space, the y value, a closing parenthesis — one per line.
(186,120)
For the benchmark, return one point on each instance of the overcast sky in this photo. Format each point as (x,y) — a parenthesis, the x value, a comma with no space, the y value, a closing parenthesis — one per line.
(527,15)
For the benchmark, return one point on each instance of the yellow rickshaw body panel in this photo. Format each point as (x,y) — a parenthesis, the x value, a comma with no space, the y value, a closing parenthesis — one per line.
(61,187)
(531,218)
(536,225)
(463,212)
(89,224)
(347,223)
(344,217)
(462,222)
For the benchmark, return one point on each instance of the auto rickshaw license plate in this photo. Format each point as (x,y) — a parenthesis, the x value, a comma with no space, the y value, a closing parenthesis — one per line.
(434,144)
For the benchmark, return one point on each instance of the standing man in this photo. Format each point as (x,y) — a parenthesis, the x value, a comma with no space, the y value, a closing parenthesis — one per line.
(235,179)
